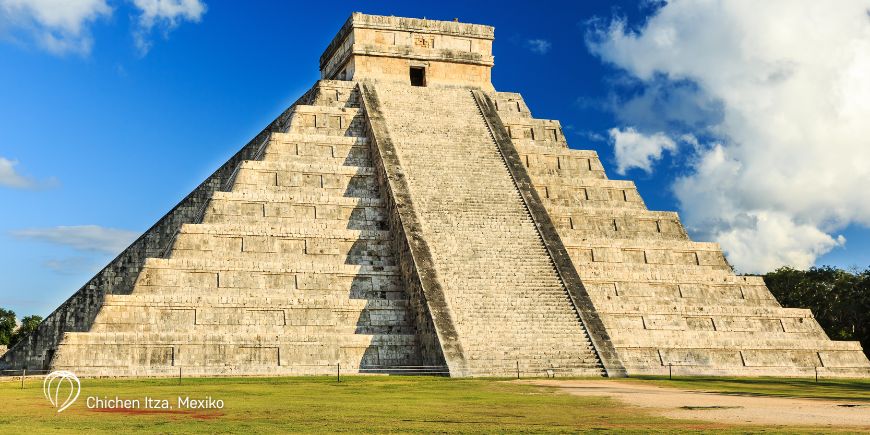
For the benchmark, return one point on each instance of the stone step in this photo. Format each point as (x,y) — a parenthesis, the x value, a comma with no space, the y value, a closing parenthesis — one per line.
(198,275)
(283,197)
(549,164)
(530,147)
(605,230)
(285,231)
(263,205)
(289,320)
(680,292)
(311,267)
(317,300)
(734,340)
(582,216)
(649,252)
(327,120)
(318,139)
(543,143)
(314,168)
(772,324)
(230,339)
(357,191)
(740,357)
(654,308)
(772,371)
(346,258)
(689,302)
(342,327)
(535,129)
(354,288)
(583,190)
(634,272)
(619,224)
(336,93)
(356,157)
(355,223)
(510,105)
(580,202)
(670,245)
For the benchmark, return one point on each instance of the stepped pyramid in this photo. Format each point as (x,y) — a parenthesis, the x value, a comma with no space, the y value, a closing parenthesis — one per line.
(402,216)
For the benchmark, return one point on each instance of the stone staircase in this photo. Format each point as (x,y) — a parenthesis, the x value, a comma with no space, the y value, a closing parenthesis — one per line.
(666,301)
(506,299)
(291,270)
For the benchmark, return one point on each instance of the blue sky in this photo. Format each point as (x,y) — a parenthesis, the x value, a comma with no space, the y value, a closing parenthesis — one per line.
(112,111)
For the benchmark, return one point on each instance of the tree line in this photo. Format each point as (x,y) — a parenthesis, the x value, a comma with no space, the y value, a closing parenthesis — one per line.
(839,299)
(11,332)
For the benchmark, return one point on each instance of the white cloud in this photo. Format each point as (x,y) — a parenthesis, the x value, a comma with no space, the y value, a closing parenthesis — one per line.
(790,165)
(9,177)
(82,237)
(58,26)
(540,46)
(636,150)
(164,15)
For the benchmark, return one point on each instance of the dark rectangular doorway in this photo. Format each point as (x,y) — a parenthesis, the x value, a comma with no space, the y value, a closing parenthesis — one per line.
(418,76)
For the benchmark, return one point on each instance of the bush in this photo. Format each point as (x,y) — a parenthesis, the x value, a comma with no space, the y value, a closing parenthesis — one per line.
(28,325)
(839,300)
(7,326)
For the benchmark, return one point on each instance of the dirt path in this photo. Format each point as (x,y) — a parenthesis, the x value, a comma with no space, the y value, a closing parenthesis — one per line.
(722,407)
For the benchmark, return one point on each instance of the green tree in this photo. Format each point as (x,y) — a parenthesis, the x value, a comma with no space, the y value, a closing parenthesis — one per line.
(28,325)
(839,300)
(7,326)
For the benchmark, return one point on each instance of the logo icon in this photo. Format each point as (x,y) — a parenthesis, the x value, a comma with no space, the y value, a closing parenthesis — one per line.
(55,382)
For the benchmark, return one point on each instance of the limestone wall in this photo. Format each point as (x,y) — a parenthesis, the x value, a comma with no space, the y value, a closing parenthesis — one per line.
(371,47)
(665,300)
(290,270)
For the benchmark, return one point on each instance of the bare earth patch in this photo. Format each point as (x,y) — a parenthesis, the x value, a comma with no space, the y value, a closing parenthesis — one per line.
(721,407)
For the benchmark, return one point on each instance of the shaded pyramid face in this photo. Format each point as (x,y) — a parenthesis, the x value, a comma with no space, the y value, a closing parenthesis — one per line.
(402,216)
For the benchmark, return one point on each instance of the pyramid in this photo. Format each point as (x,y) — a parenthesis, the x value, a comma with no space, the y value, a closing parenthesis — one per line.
(405,217)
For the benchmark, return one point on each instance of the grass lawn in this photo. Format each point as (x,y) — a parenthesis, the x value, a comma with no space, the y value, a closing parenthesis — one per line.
(834,389)
(357,404)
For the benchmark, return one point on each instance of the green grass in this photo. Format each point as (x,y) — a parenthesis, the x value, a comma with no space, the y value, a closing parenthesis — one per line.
(374,404)
(856,390)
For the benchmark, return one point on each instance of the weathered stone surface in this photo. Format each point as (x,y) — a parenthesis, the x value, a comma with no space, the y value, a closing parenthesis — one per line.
(666,300)
(371,47)
(500,285)
(289,269)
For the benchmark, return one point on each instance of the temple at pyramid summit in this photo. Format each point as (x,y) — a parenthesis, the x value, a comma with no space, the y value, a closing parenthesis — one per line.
(403,216)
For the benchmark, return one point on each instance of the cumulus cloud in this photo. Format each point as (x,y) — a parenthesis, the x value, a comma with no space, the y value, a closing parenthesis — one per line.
(636,150)
(9,177)
(540,46)
(58,26)
(787,163)
(82,237)
(163,15)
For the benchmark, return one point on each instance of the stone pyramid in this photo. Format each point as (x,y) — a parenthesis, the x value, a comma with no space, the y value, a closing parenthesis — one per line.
(404,217)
